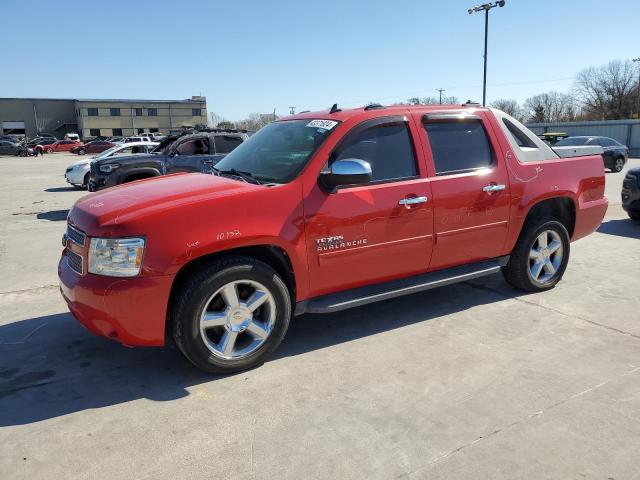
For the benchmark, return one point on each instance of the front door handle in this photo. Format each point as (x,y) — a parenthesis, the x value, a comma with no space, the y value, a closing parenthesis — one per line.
(493,188)
(412,201)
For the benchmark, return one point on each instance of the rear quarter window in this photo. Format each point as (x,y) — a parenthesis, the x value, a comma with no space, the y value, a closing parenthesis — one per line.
(459,147)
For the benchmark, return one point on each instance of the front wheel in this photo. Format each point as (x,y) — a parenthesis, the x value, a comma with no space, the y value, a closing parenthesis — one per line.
(540,256)
(49,150)
(22,153)
(231,314)
(81,151)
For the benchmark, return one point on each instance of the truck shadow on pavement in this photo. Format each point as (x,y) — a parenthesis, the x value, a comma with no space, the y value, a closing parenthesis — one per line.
(621,228)
(61,189)
(52,367)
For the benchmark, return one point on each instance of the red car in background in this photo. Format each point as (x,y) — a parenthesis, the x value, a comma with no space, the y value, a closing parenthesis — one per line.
(95,146)
(59,146)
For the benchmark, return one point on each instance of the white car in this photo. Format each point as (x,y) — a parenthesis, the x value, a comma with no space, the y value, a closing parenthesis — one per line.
(77,174)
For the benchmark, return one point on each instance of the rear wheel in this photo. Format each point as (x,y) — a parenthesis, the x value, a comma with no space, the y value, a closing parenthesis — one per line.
(49,150)
(82,151)
(540,256)
(231,314)
(22,153)
(618,164)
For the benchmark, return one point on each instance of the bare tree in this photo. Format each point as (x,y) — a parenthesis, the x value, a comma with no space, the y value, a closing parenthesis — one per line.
(431,100)
(608,92)
(214,119)
(256,121)
(510,107)
(550,107)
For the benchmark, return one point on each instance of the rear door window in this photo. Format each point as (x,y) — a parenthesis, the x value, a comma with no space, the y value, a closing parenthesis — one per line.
(459,147)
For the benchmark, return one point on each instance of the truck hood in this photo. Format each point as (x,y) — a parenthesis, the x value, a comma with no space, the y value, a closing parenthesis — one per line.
(114,206)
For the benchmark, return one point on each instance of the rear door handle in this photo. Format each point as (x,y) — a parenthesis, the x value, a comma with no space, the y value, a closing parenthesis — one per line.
(412,200)
(493,188)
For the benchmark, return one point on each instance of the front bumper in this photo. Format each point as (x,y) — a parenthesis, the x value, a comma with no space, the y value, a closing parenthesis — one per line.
(76,176)
(131,311)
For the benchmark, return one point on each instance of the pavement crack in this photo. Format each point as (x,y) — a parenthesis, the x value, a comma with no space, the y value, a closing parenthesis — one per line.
(551,309)
(518,422)
(30,290)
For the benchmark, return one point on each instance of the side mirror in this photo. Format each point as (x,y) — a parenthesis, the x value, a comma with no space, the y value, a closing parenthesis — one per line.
(350,171)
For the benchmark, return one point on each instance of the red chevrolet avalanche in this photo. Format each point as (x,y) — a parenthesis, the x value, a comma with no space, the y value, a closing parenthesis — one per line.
(320,212)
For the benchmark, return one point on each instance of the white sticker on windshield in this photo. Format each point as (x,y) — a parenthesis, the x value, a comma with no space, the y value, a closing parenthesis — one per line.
(326,124)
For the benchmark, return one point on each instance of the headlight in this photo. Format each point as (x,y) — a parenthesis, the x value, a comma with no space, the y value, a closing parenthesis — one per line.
(108,167)
(116,257)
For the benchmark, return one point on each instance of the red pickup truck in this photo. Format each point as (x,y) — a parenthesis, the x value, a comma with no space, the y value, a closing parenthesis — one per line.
(320,212)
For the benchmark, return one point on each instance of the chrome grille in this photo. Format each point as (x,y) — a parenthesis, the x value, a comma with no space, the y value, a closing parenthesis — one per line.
(75,261)
(76,236)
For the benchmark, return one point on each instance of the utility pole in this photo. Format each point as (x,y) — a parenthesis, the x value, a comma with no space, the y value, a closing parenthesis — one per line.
(292,110)
(440,90)
(485,7)
(638,89)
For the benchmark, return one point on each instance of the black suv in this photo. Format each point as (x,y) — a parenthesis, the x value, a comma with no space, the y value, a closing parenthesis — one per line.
(615,154)
(631,193)
(196,152)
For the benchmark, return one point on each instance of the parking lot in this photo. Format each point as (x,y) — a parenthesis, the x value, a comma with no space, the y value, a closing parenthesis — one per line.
(475,380)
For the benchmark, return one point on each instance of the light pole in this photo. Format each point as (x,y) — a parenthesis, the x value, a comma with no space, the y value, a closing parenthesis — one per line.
(486,7)
(638,89)
(440,90)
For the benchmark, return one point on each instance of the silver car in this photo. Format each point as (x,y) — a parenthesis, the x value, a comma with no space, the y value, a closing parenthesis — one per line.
(77,174)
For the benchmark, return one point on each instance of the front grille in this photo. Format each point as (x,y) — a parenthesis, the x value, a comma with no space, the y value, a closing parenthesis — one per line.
(76,236)
(630,181)
(75,261)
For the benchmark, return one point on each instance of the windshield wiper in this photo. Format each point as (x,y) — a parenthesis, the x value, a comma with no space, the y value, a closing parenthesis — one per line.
(246,176)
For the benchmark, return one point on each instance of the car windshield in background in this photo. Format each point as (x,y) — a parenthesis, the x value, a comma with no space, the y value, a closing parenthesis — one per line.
(572,142)
(279,151)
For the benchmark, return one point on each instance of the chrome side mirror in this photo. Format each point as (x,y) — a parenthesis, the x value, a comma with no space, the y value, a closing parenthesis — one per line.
(350,171)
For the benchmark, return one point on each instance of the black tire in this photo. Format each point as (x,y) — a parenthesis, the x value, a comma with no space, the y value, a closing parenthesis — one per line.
(85,181)
(22,153)
(618,165)
(516,272)
(634,215)
(81,151)
(49,150)
(194,295)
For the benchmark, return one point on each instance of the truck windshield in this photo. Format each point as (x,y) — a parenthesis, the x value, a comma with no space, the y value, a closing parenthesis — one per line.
(279,151)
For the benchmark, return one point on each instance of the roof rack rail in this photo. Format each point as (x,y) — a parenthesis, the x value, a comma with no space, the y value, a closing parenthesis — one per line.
(373,106)
(470,103)
(222,130)
(305,111)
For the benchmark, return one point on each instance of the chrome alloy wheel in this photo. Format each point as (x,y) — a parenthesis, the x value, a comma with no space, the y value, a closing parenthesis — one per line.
(237,319)
(545,257)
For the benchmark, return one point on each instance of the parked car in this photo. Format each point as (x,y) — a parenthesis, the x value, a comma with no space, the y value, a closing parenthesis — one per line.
(72,136)
(41,141)
(9,138)
(95,146)
(10,148)
(197,152)
(615,154)
(77,174)
(59,146)
(320,212)
(631,193)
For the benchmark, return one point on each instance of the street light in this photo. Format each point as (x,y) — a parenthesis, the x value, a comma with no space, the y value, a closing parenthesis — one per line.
(638,89)
(485,7)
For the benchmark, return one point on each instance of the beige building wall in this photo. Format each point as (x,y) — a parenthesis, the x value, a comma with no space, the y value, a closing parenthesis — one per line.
(137,116)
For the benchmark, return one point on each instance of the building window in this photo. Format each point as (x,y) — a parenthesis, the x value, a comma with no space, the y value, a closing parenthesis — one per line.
(116,132)
(140,130)
(196,112)
(94,132)
(153,130)
(152,112)
(138,112)
(115,112)
(92,112)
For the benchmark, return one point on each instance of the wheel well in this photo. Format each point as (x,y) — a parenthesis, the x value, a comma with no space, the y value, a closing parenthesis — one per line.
(273,256)
(137,176)
(561,208)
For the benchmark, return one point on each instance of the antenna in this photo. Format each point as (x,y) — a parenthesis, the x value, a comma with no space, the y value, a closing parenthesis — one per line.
(334,108)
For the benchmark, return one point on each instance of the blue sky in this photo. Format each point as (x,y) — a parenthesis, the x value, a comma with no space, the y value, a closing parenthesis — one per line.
(254,56)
